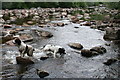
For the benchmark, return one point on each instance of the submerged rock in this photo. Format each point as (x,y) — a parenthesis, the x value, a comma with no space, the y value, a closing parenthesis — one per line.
(42,73)
(75,46)
(23,61)
(110,61)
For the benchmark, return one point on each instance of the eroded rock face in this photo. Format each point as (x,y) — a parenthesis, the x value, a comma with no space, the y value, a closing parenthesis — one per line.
(24,61)
(75,46)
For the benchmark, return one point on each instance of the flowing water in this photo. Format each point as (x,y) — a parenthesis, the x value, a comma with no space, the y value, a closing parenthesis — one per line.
(73,65)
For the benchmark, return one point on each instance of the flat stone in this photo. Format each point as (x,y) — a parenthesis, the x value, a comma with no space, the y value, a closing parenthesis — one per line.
(26,37)
(23,61)
(75,46)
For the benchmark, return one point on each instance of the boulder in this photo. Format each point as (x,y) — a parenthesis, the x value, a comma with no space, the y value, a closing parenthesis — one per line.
(30,23)
(45,34)
(99,49)
(60,24)
(76,27)
(26,37)
(25,25)
(7,26)
(10,43)
(13,32)
(88,53)
(24,61)
(19,29)
(4,39)
(42,73)
(42,25)
(87,24)
(77,46)
(110,61)
(112,33)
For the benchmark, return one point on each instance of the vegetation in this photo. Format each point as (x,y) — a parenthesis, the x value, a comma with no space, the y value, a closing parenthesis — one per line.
(22,5)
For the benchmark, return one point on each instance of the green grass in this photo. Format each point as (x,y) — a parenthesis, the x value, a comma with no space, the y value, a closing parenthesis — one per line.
(77,12)
(97,17)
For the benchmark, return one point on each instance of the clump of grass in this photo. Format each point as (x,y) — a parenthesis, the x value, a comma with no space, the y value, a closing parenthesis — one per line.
(77,12)
(117,16)
(6,17)
(97,16)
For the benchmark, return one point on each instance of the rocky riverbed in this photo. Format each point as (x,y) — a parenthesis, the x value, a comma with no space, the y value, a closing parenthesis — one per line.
(72,34)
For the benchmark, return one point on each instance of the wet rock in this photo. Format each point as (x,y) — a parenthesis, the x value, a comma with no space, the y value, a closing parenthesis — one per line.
(26,37)
(25,25)
(60,24)
(23,61)
(112,33)
(107,44)
(4,39)
(76,27)
(19,29)
(99,49)
(75,46)
(13,32)
(10,43)
(93,26)
(7,26)
(30,23)
(88,53)
(45,34)
(44,58)
(3,33)
(110,61)
(102,26)
(75,20)
(2,21)
(42,25)
(87,24)
(42,73)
